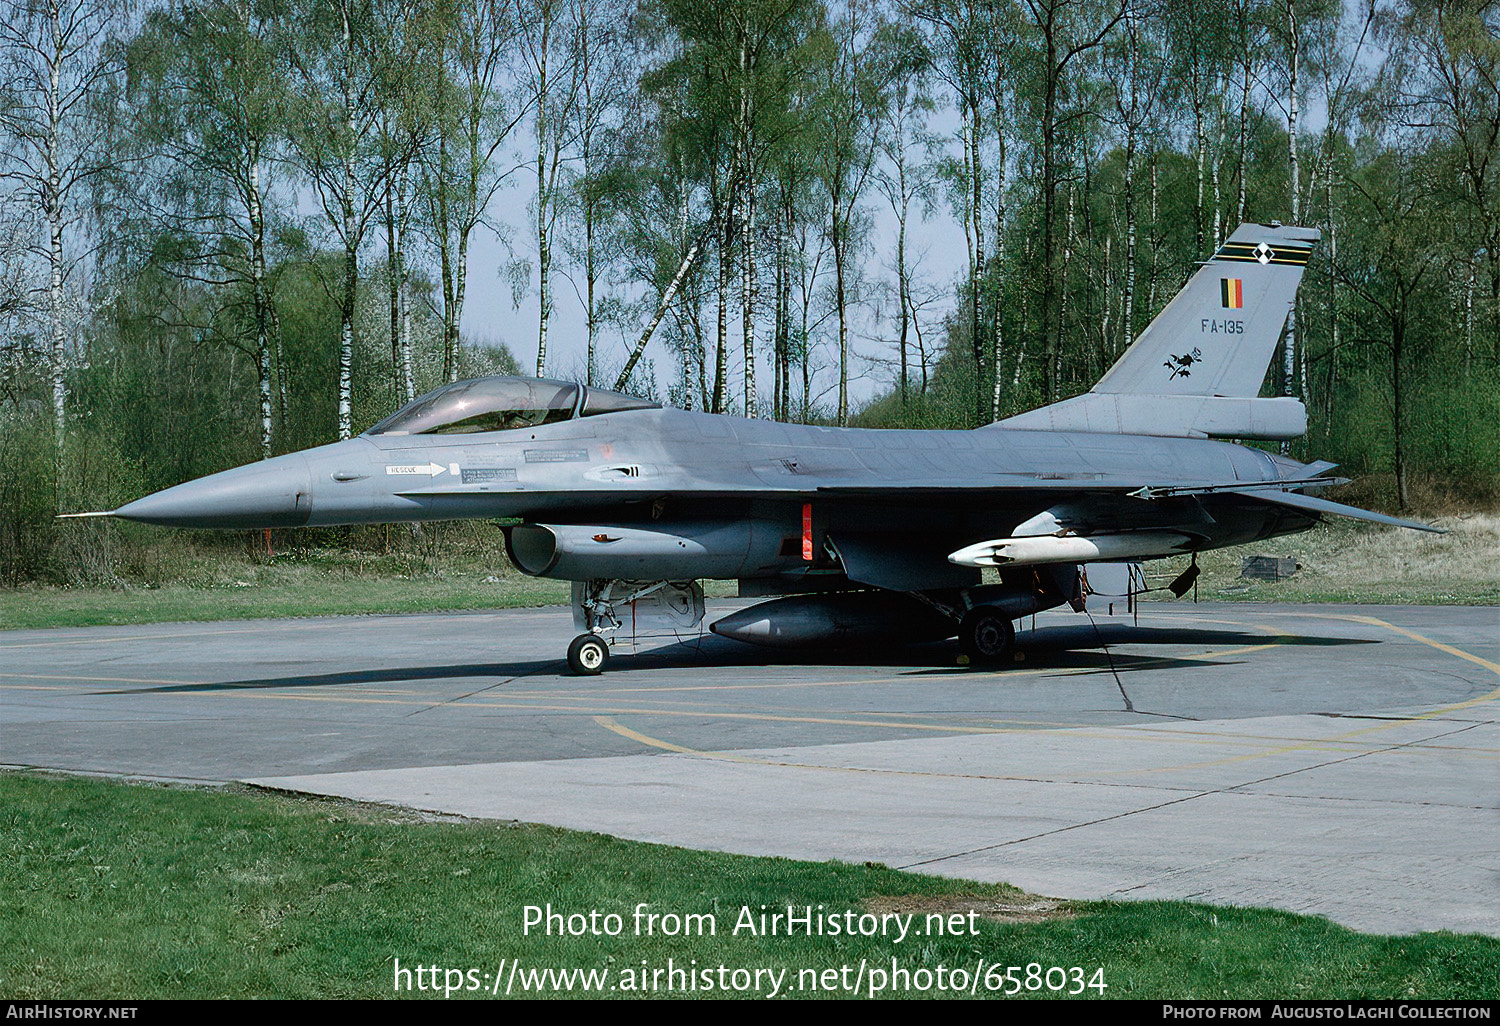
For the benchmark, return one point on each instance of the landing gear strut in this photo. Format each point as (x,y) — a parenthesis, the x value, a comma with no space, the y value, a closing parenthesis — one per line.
(986,635)
(602,608)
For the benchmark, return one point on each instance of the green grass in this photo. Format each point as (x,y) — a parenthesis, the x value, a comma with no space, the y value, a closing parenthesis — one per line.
(150,575)
(165,577)
(1349,561)
(110,890)
(39,606)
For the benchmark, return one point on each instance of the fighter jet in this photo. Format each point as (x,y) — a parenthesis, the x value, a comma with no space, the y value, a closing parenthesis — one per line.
(863,533)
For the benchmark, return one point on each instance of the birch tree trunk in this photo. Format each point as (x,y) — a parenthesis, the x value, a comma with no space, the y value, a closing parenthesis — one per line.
(1289,363)
(661,310)
(349,298)
(749,293)
(841,299)
(52,208)
(976,213)
(543,196)
(721,356)
(997,329)
(1127,321)
(1244,126)
(260,301)
(1201,158)
(903,286)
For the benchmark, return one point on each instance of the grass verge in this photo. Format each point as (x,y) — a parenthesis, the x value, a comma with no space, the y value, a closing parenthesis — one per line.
(1350,561)
(112,890)
(35,606)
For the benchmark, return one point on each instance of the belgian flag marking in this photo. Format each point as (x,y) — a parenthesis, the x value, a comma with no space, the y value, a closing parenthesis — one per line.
(1232,291)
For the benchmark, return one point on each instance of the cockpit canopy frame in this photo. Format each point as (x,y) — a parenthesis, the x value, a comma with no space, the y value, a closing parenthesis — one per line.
(503,403)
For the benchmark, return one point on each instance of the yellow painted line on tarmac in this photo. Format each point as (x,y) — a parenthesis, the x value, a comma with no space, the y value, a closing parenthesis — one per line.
(1023,726)
(177,636)
(409,698)
(619,728)
(1440,646)
(85,680)
(537,707)
(1350,742)
(1195,617)
(941,728)
(1351,745)
(1227,652)
(960,675)
(1161,735)
(752,686)
(332,621)
(1352,735)
(613,725)
(609,723)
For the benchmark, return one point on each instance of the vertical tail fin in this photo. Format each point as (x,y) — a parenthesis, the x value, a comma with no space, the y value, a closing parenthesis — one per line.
(1218,335)
(1197,368)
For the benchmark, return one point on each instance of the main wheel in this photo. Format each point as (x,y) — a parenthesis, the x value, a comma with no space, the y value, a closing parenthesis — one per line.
(588,655)
(986,636)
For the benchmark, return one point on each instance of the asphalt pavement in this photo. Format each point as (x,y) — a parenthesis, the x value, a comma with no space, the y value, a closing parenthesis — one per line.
(1335,760)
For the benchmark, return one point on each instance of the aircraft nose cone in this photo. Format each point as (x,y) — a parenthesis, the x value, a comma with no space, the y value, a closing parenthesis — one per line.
(272,493)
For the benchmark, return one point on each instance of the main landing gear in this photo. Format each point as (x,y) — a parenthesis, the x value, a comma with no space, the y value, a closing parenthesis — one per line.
(986,635)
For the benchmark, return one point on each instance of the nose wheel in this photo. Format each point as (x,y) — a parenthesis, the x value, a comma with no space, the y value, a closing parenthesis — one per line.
(588,655)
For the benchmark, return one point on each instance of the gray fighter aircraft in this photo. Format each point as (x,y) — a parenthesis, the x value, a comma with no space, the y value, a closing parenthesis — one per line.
(866,533)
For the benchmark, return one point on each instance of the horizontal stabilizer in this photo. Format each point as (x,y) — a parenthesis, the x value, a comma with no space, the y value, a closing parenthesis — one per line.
(1313,504)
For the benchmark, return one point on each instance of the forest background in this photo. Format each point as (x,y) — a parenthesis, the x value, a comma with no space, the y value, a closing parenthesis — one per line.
(235,228)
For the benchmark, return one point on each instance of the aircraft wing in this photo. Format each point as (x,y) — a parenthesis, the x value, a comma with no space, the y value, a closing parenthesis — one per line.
(1002,483)
(1100,483)
(984,490)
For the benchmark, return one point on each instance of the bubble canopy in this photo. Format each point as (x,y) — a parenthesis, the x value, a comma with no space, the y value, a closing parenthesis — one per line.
(502,404)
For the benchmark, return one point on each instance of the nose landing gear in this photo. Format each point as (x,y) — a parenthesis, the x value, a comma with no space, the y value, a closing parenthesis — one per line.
(588,655)
(616,612)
